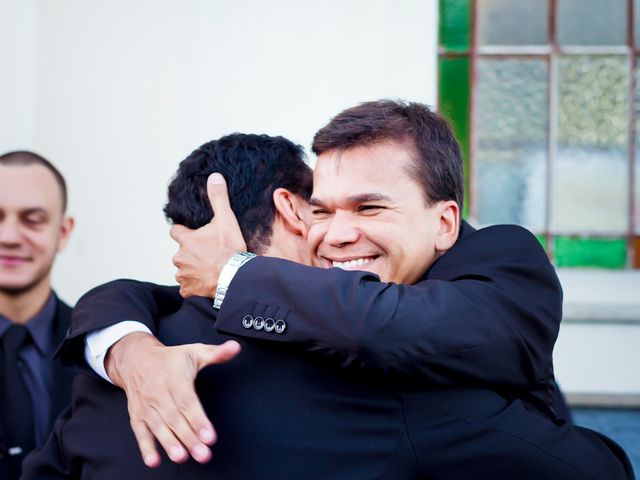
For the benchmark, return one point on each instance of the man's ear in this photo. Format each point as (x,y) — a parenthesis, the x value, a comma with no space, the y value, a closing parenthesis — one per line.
(66,227)
(448,225)
(292,209)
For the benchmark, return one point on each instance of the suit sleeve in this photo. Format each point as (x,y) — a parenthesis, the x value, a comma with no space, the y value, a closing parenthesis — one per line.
(111,303)
(487,311)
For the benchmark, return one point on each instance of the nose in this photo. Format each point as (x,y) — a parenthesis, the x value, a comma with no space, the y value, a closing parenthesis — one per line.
(9,232)
(341,231)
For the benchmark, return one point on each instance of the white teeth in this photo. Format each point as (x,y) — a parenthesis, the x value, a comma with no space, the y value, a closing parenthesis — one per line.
(357,262)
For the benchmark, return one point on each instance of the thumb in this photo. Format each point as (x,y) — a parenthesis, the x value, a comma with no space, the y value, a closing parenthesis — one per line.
(178,233)
(206,355)
(219,197)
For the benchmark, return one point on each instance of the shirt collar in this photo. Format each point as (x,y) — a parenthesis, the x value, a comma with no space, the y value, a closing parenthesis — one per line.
(39,326)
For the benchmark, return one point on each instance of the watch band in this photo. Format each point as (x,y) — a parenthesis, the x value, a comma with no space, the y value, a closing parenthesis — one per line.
(227,273)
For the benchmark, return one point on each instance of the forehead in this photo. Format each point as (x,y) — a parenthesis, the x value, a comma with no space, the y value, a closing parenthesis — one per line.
(375,168)
(29,186)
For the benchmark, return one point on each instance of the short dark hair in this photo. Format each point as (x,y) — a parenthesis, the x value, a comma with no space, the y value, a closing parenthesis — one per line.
(438,167)
(254,166)
(25,157)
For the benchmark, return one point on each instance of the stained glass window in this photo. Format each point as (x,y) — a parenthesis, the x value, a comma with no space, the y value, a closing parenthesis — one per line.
(543,95)
(511,141)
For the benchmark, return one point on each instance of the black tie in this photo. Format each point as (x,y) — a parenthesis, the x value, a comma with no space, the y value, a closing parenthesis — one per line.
(17,412)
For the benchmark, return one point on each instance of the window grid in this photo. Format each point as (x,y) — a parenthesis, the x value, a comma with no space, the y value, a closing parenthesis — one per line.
(460,48)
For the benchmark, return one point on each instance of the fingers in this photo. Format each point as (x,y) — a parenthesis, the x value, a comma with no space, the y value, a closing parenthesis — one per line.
(158,427)
(146,444)
(163,404)
(205,355)
(175,433)
(227,350)
(184,419)
(219,197)
(196,432)
(178,423)
(148,426)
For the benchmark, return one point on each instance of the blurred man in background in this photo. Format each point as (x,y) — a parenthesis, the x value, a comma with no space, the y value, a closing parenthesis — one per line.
(33,229)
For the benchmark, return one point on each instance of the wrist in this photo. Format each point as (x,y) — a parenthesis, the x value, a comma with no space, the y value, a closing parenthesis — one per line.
(119,355)
(227,273)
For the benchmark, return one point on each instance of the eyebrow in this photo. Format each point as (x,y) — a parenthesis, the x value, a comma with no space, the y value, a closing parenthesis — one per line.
(359,198)
(369,197)
(315,202)
(34,210)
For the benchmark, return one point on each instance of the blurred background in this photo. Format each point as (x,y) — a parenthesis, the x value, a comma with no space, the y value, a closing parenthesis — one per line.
(543,95)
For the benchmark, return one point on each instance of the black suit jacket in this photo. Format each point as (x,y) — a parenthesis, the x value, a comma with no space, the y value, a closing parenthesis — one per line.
(468,347)
(487,313)
(282,414)
(62,377)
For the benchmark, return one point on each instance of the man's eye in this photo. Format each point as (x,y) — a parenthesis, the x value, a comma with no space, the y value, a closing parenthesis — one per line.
(319,211)
(34,220)
(370,208)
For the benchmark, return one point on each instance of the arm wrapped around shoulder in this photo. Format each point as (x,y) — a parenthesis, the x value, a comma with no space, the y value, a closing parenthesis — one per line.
(112,303)
(487,311)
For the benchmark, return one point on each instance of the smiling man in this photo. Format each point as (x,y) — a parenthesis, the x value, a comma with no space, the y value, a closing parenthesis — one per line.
(364,201)
(462,322)
(33,229)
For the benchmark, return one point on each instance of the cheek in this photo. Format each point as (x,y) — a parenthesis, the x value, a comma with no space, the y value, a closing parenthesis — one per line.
(417,248)
(45,244)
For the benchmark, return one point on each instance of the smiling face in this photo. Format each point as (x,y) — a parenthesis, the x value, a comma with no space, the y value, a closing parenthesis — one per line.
(33,227)
(369,214)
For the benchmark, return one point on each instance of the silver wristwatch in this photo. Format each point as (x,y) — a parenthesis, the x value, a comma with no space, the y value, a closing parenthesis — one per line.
(227,273)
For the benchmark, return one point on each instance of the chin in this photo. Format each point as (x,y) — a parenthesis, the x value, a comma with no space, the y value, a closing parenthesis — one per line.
(13,288)
(12,285)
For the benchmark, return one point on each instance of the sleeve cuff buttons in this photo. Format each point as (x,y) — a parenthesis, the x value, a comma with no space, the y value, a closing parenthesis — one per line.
(268,325)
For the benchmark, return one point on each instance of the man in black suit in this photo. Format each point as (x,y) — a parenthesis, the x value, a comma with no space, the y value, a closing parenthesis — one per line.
(33,321)
(284,413)
(484,308)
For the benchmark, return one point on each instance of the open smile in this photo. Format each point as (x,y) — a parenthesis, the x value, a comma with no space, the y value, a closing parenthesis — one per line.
(353,263)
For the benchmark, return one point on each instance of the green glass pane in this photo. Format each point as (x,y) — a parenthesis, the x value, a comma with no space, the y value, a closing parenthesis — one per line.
(455,24)
(590,252)
(454,104)
(543,241)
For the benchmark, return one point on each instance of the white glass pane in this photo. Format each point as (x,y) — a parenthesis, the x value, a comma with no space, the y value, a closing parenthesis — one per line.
(512,22)
(592,22)
(510,122)
(590,187)
(636,219)
(636,20)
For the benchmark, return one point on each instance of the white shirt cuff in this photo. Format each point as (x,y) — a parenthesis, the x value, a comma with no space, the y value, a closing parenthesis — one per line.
(98,343)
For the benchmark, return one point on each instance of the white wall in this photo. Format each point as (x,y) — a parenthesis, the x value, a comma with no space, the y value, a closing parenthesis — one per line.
(17,73)
(598,358)
(116,93)
(597,348)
